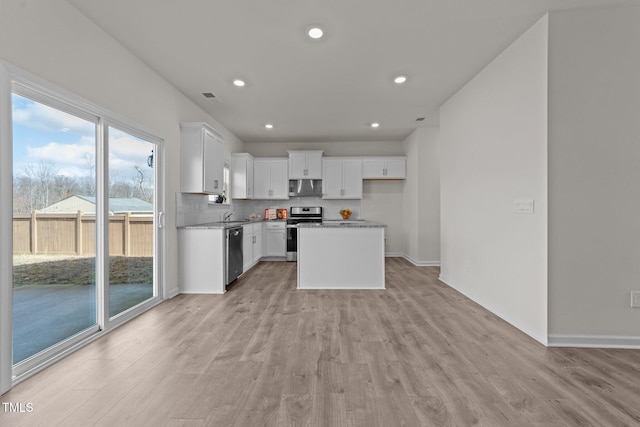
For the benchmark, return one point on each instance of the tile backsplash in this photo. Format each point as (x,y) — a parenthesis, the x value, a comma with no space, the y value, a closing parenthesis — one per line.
(331,207)
(192,209)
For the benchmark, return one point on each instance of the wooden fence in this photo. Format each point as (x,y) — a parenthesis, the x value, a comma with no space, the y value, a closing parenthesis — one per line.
(48,233)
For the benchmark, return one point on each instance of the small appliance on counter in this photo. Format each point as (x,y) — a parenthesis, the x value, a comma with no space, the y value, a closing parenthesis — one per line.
(274,213)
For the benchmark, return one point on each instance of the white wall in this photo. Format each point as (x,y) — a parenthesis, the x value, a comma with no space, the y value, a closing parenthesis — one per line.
(421,197)
(53,41)
(493,140)
(594,175)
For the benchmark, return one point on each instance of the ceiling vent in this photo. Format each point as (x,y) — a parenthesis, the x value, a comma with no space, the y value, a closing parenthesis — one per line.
(210,96)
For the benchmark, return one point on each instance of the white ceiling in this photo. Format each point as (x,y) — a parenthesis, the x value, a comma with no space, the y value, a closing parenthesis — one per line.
(327,90)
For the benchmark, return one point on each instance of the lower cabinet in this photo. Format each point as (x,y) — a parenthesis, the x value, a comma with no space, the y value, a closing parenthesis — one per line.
(275,239)
(201,256)
(251,244)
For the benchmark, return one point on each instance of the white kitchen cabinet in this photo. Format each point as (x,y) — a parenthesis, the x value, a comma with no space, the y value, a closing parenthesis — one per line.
(305,164)
(384,167)
(342,178)
(275,244)
(241,176)
(201,260)
(271,178)
(201,159)
(251,244)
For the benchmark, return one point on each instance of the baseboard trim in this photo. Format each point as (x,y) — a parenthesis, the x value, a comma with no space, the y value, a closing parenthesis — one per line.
(172,293)
(594,341)
(411,260)
(536,335)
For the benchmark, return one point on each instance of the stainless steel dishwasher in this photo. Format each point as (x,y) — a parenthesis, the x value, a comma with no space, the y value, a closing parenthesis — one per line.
(234,254)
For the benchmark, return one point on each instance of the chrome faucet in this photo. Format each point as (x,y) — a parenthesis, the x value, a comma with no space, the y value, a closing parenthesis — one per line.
(227,216)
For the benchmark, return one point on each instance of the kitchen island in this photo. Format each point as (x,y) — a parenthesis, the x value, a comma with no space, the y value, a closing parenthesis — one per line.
(341,255)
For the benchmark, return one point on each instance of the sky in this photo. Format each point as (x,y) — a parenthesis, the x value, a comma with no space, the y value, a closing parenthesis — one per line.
(42,133)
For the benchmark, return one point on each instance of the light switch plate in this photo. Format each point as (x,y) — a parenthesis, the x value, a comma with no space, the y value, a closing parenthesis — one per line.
(635,299)
(523,206)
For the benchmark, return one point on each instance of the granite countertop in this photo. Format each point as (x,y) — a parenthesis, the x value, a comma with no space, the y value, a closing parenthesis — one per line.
(222,224)
(342,224)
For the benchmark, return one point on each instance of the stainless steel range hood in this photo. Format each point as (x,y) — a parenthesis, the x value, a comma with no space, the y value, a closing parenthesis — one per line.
(305,188)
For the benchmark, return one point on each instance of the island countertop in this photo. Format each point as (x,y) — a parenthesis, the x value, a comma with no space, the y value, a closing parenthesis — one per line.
(341,224)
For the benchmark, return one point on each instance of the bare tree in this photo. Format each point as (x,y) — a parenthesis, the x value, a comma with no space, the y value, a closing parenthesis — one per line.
(39,183)
(141,178)
(88,181)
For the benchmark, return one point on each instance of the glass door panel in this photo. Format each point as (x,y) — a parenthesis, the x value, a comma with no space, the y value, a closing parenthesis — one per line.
(54,234)
(131,221)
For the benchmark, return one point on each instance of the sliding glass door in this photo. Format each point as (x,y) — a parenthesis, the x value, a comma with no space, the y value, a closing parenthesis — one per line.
(85,246)
(54,245)
(131,220)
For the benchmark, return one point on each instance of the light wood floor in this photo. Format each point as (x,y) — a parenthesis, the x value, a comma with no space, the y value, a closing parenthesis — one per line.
(417,354)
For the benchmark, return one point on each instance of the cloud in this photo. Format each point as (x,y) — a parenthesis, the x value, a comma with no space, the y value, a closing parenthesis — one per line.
(37,116)
(67,141)
(70,159)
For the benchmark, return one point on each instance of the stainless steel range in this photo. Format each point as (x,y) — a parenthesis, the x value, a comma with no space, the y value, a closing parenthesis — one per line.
(297,215)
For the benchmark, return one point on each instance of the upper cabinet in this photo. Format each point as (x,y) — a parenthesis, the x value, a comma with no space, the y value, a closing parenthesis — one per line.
(305,164)
(241,176)
(384,167)
(342,178)
(271,178)
(201,159)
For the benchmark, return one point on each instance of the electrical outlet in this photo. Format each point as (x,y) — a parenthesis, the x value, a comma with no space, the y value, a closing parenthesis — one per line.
(635,299)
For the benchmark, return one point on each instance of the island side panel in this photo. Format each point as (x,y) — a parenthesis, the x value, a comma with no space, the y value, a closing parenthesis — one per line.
(341,258)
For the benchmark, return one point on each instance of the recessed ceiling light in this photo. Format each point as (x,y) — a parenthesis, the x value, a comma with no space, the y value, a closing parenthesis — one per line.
(315,32)
(375,125)
(269,126)
(400,79)
(238,82)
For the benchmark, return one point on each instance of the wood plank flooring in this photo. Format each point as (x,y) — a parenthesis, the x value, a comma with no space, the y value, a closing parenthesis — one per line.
(265,354)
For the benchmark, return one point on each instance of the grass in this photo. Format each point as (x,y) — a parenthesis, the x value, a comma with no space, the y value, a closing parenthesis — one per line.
(43,270)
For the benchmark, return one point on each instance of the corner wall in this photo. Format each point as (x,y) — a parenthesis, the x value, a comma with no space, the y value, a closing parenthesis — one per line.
(421,197)
(493,142)
(594,176)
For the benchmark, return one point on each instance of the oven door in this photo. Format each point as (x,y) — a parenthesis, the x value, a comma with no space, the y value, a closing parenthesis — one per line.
(292,242)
